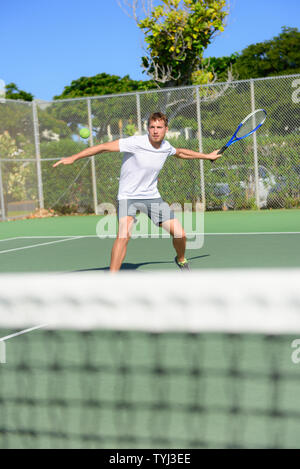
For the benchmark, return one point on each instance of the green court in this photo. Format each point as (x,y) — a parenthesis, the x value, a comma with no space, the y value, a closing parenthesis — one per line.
(245,239)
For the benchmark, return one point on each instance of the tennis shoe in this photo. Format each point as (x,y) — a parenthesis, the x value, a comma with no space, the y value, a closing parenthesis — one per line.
(182,265)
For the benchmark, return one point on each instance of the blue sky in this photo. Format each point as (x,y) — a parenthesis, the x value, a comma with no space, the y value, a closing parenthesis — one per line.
(48,43)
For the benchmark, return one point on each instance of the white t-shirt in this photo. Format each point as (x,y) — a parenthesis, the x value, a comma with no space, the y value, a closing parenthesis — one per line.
(141,166)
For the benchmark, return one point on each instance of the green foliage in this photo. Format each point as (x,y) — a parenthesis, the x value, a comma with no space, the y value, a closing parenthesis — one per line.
(219,66)
(65,117)
(103,84)
(202,77)
(278,56)
(177,33)
(13,92)
(67,189)
(181,122)
(130,130)
(16,119)
(18,178)
(50,121)
(119,113)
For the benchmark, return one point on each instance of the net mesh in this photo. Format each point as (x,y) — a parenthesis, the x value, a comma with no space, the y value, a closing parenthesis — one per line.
(147,361)
(251,123)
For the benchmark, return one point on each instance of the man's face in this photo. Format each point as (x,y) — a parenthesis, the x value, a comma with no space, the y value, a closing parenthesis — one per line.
(157,131)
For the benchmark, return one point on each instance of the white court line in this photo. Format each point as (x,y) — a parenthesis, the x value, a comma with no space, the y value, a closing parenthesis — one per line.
(254,233)
(41,237)
(190,234)
(37,245)
(216,234)
(69,238)
(9,239)
(11,336)
(2,339)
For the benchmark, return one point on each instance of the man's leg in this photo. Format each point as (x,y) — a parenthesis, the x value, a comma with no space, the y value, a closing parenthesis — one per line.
(119,249)
(176,230)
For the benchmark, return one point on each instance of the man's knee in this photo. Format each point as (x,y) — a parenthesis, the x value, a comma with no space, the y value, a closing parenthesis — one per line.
(124,232)
(123,237)
(178,231)
(180,235)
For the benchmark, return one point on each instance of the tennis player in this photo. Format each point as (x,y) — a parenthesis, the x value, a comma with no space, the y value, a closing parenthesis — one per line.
(144,157)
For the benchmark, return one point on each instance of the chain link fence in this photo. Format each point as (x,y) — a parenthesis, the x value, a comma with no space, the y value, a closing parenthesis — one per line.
(262,171)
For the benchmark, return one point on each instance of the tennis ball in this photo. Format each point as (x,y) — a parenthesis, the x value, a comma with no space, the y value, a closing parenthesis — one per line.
(84,133)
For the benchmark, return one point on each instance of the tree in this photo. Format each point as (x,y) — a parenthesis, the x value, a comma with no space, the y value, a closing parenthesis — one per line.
(103,84)
(17,177)
(13,92)
(16,119)
(278,56)
(106,111)
(220,66)
(177,33)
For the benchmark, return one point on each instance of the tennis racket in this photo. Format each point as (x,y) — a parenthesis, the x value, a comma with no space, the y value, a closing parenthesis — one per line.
(248,126)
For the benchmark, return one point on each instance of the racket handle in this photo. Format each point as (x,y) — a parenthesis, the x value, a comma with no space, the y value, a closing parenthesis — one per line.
(220,151)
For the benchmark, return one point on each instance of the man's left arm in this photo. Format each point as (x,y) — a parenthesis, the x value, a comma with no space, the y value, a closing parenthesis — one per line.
(186,154)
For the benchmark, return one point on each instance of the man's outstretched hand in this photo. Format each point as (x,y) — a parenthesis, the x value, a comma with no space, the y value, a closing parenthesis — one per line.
(69,160)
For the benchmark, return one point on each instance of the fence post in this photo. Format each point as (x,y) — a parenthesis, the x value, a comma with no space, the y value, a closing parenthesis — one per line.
(2,204)
(256,176)
(138,110)
(38,154)
(91,143)
(202,181)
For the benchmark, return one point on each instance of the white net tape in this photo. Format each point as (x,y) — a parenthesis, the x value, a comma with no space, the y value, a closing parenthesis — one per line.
(263,301)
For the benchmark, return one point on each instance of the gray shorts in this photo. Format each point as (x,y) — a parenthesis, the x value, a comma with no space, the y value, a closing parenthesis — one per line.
(156,209)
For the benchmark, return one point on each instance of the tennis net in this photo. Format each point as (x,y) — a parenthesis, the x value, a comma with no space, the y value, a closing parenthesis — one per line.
(204,360)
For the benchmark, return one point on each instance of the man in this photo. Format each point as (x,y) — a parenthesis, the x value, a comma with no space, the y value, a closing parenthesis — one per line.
(144,157)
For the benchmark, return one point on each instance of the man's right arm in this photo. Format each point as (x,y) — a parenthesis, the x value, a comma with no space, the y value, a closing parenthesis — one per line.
(91,151)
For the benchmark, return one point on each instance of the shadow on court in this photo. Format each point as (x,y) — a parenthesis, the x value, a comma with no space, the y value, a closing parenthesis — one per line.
(132,266)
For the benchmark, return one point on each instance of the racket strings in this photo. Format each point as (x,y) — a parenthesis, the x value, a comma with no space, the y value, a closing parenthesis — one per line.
(251,123)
